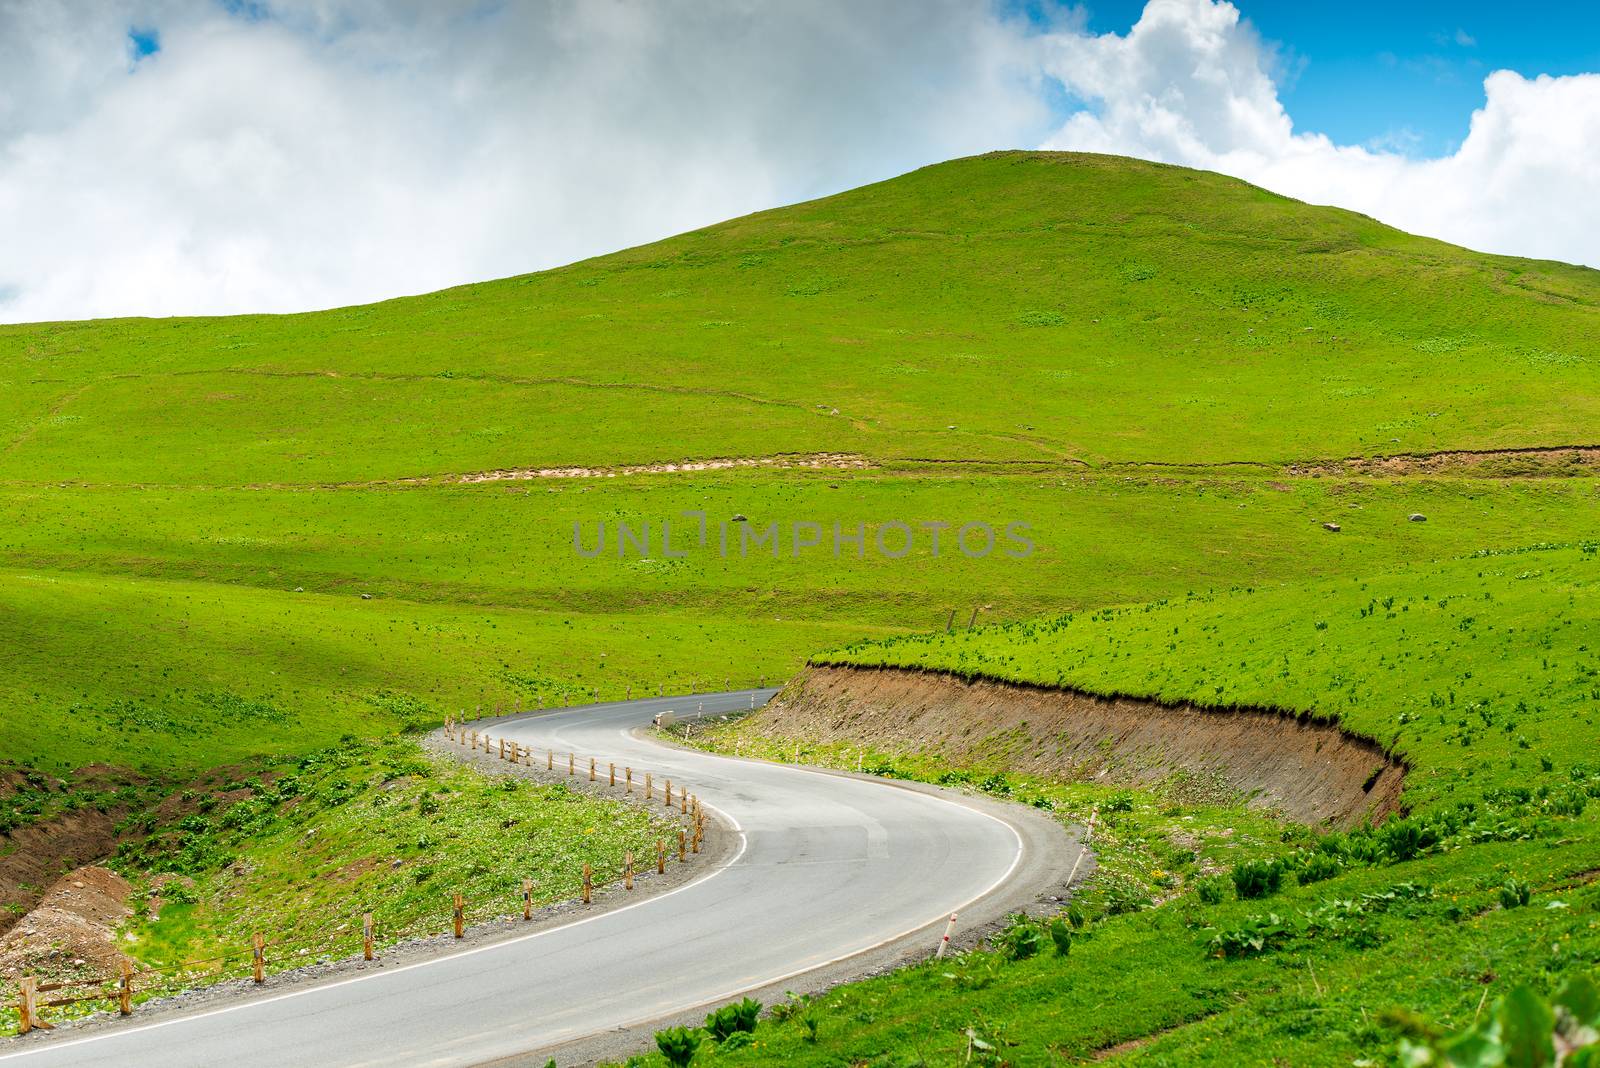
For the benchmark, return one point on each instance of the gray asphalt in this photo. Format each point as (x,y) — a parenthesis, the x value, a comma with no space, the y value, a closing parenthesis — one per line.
(826,870)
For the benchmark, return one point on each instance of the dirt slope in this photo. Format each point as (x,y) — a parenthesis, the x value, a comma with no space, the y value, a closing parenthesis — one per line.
(1308,770)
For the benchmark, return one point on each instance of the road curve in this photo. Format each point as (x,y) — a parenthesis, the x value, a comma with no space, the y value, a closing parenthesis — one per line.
(825,867)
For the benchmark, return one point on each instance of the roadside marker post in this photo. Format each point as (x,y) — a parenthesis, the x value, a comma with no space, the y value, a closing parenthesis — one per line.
(661,857)
(613,768)
(683,799)
(683,844)
(366,936)
(630,780)
(944,943)
(1087,834)
(647,786)
(588,885)
(258,954)
(125,989)
(591,769)
(572,763)
(549,760)
(460,918)
(627,870)
(527,899)
(666,798)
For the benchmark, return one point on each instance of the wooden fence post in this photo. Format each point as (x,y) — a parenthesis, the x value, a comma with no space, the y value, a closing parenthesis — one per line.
(974,618)
(666,797)
(630,779)
(125,988)
(950,624)
(661,857)
(588,884)
(366,936)
(683,845)
(647,786)
(683,799)
(460,915)
(549,760)
(527,899)
(613,775)
(258,954)
(502,749)
(627,870)
(572,763)
(27,1007)
(591,769)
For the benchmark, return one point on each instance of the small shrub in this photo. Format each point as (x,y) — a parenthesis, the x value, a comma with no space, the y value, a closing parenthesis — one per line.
(1022,939)
(678,1045)
(1257,878)
(1212,890)
(1254,936)
(1514,893)
(1316,868)
(1061,936)
(730,1019)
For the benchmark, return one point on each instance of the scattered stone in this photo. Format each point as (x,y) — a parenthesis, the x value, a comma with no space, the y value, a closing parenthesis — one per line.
(299,589)
(1332,526)
(366,596)
(1417,517)
(737,518)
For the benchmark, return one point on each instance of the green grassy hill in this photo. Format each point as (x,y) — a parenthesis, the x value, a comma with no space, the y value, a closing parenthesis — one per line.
(1017,306)
(251,536)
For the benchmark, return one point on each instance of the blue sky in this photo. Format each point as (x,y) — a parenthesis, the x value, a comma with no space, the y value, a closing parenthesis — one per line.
(1399,74)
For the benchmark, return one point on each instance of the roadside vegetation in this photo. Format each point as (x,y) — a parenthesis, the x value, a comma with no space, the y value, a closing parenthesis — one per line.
(1307,948)
(298,850)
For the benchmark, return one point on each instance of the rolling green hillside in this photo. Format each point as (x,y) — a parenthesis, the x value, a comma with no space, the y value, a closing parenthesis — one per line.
(170,484)
(1018,306)
(249,537)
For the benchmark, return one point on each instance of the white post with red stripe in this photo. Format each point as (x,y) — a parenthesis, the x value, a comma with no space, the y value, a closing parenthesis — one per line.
(949,929)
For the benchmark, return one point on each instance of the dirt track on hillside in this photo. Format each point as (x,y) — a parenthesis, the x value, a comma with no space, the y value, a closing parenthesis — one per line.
(1308,770)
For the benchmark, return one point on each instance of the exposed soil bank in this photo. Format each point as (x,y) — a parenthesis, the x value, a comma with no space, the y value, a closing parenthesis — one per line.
(1308,770)
(72,931)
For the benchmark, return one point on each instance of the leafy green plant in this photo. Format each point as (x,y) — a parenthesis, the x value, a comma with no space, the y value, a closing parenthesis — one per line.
(1021,939)
(1257,878)
(730,1019)
(679,1044)
(1212,890)
(1254,936)
(1523,1030)
(1061,936)
(1514,893)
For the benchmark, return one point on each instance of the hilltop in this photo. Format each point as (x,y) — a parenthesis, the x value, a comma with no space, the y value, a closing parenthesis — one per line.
(1047,307)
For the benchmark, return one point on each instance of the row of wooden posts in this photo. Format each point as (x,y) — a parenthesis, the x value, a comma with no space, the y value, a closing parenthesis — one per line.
(689,841)
(29,989)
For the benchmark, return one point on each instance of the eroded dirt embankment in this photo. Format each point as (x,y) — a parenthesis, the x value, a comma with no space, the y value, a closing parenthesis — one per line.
(1309,770)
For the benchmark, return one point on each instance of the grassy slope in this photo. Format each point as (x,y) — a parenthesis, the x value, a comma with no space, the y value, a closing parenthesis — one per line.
(1046,305)
(169,482)
(1484,672)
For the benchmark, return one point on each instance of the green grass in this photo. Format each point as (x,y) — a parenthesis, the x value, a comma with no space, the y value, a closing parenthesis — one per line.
(1483,672)
(298,850)
(1077,306)
(1127,356)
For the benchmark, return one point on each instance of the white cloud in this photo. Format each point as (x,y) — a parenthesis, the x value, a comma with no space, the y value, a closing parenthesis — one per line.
(334,152)
(1189,84)
(287,154)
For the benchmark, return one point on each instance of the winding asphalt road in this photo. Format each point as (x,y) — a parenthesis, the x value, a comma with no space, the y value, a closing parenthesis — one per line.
(827,871)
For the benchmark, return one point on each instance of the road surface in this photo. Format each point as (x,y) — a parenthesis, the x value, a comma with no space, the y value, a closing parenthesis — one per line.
(826,871)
